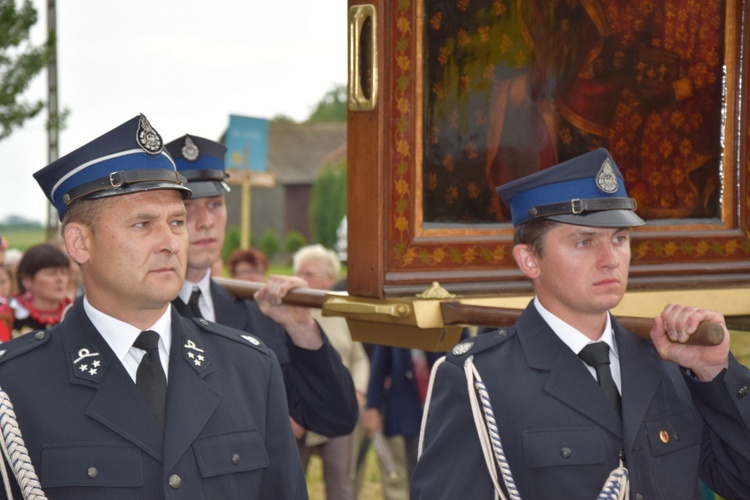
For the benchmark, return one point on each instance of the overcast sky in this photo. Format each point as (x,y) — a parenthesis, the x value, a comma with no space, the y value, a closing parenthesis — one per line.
(186,65)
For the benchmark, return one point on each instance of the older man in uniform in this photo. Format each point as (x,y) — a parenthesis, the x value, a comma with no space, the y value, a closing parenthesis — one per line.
(319,388)
(663,413)
(125,398)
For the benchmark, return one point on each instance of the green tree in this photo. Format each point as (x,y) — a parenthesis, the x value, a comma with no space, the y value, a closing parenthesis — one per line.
(20,62)
(269,243)
(282,118)
(332,107)
(294,241)
(232,241)
(328,203)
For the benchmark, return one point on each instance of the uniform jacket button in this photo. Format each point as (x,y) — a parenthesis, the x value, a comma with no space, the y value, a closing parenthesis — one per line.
(175,481)
(638,496)
(92,472)
(236,458)
(742,392)
(566,452)
(39,335)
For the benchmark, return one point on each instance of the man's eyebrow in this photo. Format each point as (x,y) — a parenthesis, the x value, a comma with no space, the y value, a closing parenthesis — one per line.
(144,216)
(594,232)
(583,232)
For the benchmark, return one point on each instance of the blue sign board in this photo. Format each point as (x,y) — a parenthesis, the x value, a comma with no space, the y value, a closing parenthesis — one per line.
(247,143)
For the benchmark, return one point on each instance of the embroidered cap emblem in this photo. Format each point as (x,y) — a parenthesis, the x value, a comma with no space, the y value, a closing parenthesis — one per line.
(148,138)
(606,179)
(88,364)
(190,150)
(462,348)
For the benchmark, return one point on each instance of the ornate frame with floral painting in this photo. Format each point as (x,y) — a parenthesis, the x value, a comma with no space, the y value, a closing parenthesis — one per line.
(463,95)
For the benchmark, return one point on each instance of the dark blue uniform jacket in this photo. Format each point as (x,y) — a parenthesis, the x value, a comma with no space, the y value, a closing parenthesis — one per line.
(91,435)
(320,391)
(561,435)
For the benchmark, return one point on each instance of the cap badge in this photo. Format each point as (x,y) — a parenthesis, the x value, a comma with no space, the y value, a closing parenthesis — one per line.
(190,150)
(148,139)
(606,179)
(88,364)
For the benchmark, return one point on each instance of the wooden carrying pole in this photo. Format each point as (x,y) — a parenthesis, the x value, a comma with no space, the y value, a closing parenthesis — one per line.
(457,313)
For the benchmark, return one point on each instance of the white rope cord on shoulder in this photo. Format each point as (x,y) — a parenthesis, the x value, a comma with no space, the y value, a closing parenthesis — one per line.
(491,439)
(16,454)
(6,480)
(616,487)
(427,400)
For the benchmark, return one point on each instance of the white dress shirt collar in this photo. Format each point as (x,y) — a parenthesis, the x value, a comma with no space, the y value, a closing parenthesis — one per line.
(206,301)
(120,336)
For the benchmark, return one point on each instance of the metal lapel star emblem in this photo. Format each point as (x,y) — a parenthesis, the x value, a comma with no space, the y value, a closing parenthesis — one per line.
(88,364)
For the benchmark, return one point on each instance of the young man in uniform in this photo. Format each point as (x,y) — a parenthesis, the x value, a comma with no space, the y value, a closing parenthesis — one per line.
(125,398)
(320,391)
(663,413)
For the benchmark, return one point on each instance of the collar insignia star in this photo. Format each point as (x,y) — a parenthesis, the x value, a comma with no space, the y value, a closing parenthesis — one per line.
(88,363)
(194,355)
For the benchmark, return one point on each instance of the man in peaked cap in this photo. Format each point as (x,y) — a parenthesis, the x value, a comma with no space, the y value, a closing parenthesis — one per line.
(125,398)
(577,400)
(319,388)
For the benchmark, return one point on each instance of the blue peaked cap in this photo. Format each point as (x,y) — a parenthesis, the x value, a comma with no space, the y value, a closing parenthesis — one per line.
(201,161)
(127,159)
(586,191)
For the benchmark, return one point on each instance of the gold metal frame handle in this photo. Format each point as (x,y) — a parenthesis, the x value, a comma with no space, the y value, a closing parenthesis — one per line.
(363,58)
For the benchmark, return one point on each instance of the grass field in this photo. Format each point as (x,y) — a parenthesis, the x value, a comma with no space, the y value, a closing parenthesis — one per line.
(23,238)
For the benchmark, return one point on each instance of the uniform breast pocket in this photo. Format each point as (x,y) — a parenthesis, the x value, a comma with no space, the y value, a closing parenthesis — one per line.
(674,433)
(563,447)
(88,470)
(567,460)
(230,453)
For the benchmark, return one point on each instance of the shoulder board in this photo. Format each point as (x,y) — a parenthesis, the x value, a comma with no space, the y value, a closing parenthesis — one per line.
(233,334)
(23,344)
(479,343)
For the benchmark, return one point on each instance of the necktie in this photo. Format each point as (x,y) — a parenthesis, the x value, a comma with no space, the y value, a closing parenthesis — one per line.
(193,302)
(150,378)
(597,356)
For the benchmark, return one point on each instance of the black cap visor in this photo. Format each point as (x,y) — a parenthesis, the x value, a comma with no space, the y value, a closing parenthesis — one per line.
(604,218)
(206,189)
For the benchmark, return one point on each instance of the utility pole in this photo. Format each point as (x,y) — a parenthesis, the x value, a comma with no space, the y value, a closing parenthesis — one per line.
(53,118)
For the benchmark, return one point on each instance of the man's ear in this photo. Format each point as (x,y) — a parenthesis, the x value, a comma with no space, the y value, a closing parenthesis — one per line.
(76,238)
(527,261)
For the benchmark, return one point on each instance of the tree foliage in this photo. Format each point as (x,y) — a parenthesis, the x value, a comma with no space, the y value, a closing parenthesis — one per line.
(293,241)
(20,62)
(332,107)
(270,244)
(328,203)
